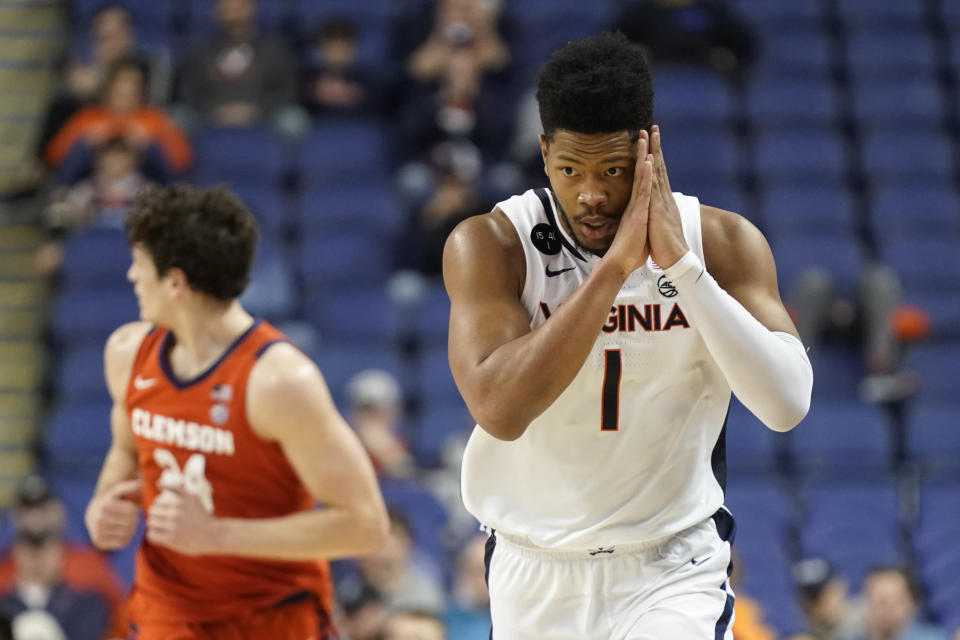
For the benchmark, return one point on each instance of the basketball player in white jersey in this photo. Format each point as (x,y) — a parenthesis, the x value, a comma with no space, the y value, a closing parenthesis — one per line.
(596,333)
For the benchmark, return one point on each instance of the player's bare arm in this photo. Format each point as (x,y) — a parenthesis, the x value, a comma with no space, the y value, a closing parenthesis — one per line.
(737,311)
(508,374)
(112,515)
(288,403)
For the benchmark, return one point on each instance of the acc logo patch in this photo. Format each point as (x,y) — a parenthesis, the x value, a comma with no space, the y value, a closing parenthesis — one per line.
(667,290)
(545,238)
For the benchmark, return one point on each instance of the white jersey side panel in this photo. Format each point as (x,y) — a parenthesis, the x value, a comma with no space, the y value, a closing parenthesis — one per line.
(606,463)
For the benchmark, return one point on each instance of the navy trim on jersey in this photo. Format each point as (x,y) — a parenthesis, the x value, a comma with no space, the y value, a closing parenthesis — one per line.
(721,629)
(163,353)
(487,559)
(544,195)
(269,344)
(727,530)
(718,457)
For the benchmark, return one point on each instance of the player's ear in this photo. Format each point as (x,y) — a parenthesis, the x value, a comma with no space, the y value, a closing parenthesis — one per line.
(178,280)
(543,149)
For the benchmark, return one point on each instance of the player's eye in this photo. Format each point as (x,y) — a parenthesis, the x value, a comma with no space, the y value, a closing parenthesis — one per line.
(615,171)
(567,171)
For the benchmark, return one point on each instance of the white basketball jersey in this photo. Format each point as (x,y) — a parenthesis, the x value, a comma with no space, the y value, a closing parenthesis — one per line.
(632,450)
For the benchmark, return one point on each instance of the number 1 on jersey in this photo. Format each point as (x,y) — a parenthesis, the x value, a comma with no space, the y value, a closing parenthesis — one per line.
(610,401)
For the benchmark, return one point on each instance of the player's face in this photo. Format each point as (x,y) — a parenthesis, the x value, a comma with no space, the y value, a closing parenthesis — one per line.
(591,176)
(147,285)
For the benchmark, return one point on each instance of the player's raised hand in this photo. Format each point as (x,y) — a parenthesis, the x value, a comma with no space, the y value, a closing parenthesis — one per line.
(177,520)
(629,248)
(667,244)
(112,516)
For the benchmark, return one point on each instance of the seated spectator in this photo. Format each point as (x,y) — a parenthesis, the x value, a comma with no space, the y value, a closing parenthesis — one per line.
(240,78)
(112,39)
(415,625)
(336,84)
(466,28)
(468,615)
(694,32)
(393,573)
(825,602)
(454,180)
(40,600)
(892,607)
(376,410)
(123,112)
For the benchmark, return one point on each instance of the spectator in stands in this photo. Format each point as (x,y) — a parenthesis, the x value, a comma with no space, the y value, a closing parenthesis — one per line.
(825,602)
(454,178)
(336,84)
(460,84)
(393,573)
(40,601)
(376,412)
(892,607)
(241,78)
(693,32)
(122,111)
(416,625)
(112,39)
(468,614)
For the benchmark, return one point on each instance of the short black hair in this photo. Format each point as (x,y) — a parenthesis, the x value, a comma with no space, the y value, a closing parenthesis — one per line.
(207,233)
(600,84)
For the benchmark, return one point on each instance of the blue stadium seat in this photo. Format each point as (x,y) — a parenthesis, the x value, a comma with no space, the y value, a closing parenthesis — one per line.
(930,153)
(339,361)
(437,424)
(794,49)
(825,209)
(724,195)
(784,155)
(79,374)
(77,436)
(924,263)
(267,205)
(238,156)
(272,292)
(937,366)
(778,100)
(843,434)
(893,51)
(837,372)
(95,257)
(888,103)
(371,207)
(92,314)
(765,14)
(336,258)
(929,209)
(433,318)
(750,444)
(75,489)
(854,526)
(840,255)
(371,19)
(344,153)
(881,12)
(939,521)
(700,155)
(690,98)
(426,515)
(435,382)
(355,314)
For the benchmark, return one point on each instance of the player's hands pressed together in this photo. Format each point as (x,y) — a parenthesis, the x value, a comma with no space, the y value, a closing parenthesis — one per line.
(178,521)
(111,517)
(629,249)
(665,231)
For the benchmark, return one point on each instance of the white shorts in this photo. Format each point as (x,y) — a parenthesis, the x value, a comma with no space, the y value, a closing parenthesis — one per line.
(678,588)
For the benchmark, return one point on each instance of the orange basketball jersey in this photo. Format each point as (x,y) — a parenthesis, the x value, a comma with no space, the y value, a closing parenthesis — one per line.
(195,434)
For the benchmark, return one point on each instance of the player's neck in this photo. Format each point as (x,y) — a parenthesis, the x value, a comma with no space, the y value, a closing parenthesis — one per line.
(203,334)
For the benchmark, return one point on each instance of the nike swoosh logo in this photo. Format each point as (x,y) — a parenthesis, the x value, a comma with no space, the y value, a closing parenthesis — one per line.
(143,383)
(699,561)
(551,274)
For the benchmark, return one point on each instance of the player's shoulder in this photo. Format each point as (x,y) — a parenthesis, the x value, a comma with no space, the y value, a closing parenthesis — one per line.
(282,366)
(121,351)
(489,237)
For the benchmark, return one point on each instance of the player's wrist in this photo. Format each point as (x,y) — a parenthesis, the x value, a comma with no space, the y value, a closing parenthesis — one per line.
(687,265)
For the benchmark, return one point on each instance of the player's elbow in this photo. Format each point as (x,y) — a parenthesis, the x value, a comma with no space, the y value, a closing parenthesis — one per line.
(373,529)
(791,411)
(499,425)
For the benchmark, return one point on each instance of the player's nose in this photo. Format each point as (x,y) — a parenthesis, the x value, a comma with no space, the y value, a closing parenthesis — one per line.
(592,197)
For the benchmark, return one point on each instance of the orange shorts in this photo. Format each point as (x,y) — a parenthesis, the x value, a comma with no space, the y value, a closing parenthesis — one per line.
(295,621)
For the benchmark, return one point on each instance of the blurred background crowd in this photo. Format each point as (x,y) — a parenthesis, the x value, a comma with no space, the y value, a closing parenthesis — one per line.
(359,132)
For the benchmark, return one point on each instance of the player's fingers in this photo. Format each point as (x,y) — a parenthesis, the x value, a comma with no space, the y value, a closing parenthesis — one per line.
(642,146)
(120,509)
(660,166)
(128,489)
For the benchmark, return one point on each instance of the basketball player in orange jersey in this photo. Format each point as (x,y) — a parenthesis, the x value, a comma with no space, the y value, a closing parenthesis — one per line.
(226,435)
